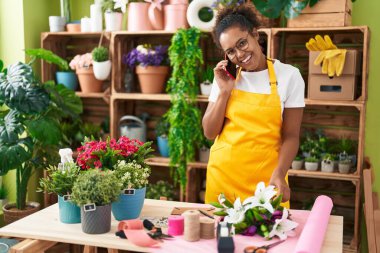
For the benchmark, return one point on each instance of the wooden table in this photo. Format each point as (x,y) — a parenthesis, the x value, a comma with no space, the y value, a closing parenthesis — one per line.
(44,230)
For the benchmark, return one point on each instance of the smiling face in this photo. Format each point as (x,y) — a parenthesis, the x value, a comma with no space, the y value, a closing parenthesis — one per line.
(251,58)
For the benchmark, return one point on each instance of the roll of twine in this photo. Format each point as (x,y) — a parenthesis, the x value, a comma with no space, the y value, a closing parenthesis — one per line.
(207,228)
(192,225)
(175,225)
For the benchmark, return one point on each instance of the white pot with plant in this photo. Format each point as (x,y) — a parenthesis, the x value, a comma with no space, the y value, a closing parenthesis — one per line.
(94,191)
(327,164)
(207,78)
(311,163)
(113,16)
(101,63)
(297,163)
(344,166)
(204,150)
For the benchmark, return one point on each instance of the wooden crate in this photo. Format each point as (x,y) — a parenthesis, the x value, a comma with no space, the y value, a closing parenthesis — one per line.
(326,13)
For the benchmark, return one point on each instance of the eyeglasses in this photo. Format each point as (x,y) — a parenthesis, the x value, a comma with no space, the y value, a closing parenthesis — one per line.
(241,45)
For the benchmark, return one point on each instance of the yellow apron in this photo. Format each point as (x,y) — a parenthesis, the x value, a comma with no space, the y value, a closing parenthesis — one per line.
(246,152)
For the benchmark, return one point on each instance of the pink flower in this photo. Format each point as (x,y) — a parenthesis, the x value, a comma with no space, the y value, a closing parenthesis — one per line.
(81,61)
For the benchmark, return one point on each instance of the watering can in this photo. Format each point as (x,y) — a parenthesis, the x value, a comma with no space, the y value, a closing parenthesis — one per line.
(132,127)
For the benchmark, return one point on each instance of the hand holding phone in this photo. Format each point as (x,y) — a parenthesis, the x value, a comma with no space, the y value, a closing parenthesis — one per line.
(230,68)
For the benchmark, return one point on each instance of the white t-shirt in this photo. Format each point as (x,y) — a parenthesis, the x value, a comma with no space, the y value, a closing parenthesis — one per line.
(291,86)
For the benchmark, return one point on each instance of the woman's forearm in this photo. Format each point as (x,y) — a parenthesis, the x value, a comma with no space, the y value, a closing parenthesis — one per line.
(213,119)
(288,151)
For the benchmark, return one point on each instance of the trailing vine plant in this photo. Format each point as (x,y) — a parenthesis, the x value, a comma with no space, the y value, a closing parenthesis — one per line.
(184,116)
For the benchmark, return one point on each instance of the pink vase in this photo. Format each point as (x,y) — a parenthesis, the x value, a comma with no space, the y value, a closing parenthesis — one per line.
(178,1)
(138,17)
(175,16)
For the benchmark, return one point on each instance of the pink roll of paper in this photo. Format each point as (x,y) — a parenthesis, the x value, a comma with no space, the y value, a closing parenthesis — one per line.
(135,233)
(313,233)
(176,225)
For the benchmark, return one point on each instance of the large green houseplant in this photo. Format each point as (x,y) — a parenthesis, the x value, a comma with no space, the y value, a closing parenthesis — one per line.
(31,113)
(184,116)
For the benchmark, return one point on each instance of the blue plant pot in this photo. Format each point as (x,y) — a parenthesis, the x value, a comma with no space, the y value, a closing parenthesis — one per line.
(163,146)
(68,212)
(129,206)
(68,79)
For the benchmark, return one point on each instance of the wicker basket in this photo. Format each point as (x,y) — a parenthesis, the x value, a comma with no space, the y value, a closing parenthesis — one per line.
(11,213)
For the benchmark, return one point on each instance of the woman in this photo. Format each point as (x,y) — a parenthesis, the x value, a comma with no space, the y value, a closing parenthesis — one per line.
(256,119)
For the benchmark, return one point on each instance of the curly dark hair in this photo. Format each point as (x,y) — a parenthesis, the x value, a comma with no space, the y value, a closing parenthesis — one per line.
(242,16)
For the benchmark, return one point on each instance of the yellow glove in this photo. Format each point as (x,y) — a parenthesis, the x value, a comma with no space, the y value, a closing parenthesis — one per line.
(320,44)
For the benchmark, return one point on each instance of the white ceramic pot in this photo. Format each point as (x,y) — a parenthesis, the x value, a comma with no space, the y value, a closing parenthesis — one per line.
(297,165)
(206,88)
(344,168)
(57,23)
(204,154)
(113,21)
(102,69)
(311,166)
(327,166)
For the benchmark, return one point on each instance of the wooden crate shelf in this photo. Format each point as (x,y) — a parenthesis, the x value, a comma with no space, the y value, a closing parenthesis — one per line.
(154,97)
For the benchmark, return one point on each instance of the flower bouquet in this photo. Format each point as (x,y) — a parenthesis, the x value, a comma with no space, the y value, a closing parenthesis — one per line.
(106,154)
(151,66)
(260,214)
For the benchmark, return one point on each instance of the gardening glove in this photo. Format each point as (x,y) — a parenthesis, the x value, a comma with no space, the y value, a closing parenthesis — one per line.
(330,57)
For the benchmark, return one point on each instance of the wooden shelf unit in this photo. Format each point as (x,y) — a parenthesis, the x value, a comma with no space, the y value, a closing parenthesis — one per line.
(350,115)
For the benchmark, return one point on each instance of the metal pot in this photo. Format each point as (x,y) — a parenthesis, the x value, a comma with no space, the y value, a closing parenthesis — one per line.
(135,128)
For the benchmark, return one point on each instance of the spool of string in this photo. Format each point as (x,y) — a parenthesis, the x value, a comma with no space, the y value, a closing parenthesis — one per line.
(207,228)
(175,225)
(192,225)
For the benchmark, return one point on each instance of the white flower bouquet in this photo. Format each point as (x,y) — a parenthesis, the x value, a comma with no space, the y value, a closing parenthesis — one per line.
(131,174)
(260,214)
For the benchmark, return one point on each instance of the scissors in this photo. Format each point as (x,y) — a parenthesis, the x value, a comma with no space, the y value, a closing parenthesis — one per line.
(261,249)
(155,232)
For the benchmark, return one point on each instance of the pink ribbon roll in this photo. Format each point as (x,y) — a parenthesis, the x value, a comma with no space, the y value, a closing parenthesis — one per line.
(176,225)
(135,233)
(313,233)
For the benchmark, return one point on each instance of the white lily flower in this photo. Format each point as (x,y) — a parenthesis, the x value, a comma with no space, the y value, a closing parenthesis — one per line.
(221,198)
(262,197)
(283,226)
(236,214)
(122,4)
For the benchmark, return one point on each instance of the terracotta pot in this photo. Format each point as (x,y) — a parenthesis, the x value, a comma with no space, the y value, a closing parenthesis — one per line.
(11,213)
(87,81)
(138,17)
(175,16)
(73,28)
(152,78)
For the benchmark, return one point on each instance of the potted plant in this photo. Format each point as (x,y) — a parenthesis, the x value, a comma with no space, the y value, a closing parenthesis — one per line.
(60,180)
(94,191)
(160,189)
(327,164)
(311,163)
(344,166)
(63,76)
(151,66)
(162,132)
(207,79)
(112,15)
(101,63)
(30,129)
(134,178)
(297,163)
(83,65)
(204,150)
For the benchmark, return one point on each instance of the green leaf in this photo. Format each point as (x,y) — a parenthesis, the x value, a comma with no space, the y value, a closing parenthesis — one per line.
(277,201)
(270,8)
(49,57)
(221,213)
(14,155)
(216,204)
(10,128)
(46,130)
(249,216)
(313,2)
(293,8)
(258,216)
(1,65)
(65,100)
(228,204)
(241,226)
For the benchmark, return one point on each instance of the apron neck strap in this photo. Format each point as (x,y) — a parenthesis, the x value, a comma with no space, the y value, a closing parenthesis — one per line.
(272,75)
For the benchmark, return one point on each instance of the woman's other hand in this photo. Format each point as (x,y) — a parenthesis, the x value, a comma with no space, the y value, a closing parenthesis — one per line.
(225,83)
(278,180)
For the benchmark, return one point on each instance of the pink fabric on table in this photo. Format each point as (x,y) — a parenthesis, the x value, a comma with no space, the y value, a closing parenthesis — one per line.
(313,234)
(135,233)
(178,245)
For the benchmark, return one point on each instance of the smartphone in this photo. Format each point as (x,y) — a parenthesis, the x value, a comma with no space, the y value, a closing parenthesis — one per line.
(230,68)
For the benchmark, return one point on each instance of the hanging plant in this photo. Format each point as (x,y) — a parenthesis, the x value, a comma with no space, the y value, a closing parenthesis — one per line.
(184,116)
